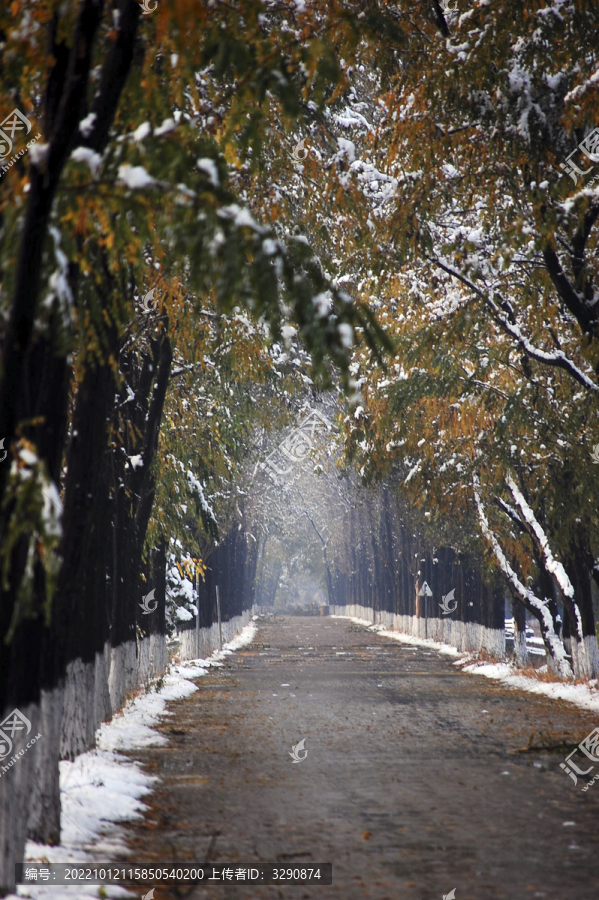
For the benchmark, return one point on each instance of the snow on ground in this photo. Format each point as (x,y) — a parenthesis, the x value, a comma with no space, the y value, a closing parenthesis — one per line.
(404,638)
(102,789)
(583,695)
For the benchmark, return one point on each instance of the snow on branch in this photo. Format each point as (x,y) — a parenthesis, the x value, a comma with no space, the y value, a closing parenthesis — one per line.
(558,358)
(525,594)
(553,566)
(511,512)
(195,485)
(508,321)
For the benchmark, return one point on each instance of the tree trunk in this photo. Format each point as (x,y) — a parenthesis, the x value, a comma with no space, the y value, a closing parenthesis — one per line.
(585,658)
(28,677)
(134,489)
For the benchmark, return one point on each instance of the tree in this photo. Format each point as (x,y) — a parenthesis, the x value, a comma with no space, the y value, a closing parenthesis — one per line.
(490,263)
(115,184)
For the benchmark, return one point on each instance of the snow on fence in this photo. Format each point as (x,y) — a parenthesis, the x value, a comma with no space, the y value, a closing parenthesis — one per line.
(200,643)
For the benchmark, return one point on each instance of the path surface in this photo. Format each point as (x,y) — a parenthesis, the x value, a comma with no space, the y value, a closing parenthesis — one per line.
(410,787)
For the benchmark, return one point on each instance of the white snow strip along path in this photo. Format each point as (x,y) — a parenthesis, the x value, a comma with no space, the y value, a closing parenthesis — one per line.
(583,695)
(102,789)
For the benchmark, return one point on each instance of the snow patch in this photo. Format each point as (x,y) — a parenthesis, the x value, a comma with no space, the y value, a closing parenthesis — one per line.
(167,126)
(142,131)
(134,176)
(88,156)
(585,696)
(38,153)
(208,167)
(405,638)
(101,789)
(86,125)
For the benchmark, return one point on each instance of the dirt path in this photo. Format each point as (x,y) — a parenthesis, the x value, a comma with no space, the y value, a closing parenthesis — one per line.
(410,787)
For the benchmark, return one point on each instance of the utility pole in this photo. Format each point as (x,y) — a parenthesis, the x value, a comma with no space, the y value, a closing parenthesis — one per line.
(425,592)
(197,581)
(220,627)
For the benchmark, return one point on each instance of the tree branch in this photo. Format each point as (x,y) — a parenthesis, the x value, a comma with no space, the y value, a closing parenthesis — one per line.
(585,315)
(505,316)
(44,180)
(523,593)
